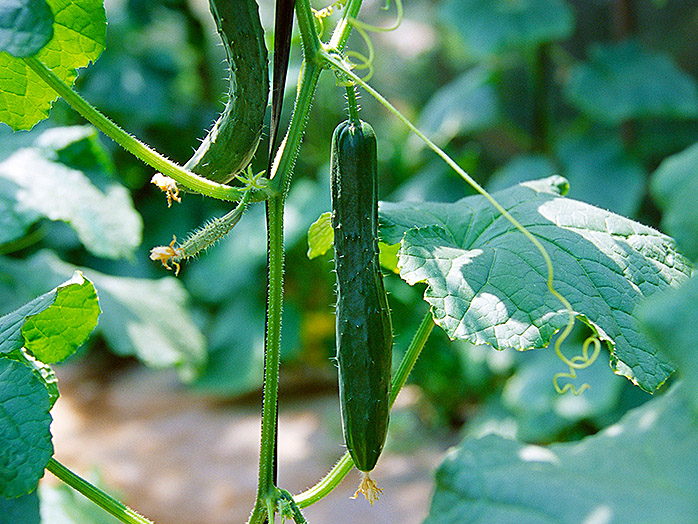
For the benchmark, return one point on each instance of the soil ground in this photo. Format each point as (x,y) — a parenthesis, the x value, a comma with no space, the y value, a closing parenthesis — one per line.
(181,459)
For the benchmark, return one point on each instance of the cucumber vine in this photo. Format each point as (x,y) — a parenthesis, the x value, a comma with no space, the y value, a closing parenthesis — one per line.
(317,57)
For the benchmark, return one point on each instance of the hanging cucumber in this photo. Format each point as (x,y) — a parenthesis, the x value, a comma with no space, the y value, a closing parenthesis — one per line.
(231,143)
(364,332)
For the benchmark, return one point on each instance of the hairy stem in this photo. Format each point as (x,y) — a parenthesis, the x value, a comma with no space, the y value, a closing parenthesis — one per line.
(266,489)
(134,146)
(353,105)
(309,37)
(96,495)
(344,465)
(341,33)
(282,169)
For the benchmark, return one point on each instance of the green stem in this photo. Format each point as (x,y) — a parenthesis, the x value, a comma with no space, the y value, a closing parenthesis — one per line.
(282,169)
(309,37)
(353,105)
(341,33)
(266,490)
(96,495)
(135,146)
(411,355)
(343,467)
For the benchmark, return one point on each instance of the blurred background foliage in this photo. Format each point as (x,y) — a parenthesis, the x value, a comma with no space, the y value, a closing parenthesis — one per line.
(599,91)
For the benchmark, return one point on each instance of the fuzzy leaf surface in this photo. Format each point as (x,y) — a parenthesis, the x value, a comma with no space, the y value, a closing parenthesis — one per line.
(79,30)
(24,429)
(493,479)
(486,283)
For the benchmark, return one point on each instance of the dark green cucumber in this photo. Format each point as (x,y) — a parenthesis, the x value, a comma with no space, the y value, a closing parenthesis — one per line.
(230,145)
(364,332)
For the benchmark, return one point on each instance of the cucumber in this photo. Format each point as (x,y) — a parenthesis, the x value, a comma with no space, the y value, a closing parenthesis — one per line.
(364,331)
(232,142)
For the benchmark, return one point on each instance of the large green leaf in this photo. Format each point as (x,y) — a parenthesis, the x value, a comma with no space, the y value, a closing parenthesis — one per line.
(236,356)
(14,220)
(24,429)
(54,179)
(638,470)
(25,26)
(491,27)
(79,30)
(675,186)
(53,325)
(486,283)
(56,332)
(623,81)
(670,319)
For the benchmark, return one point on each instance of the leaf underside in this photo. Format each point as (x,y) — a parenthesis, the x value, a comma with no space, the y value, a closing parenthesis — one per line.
(486,282)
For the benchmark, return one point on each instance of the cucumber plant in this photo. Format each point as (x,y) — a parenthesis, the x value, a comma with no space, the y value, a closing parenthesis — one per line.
(510,270)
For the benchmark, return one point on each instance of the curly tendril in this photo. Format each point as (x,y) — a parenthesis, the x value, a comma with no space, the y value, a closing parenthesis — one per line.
(360,61)
(577,362)
(379,29)
(329,10)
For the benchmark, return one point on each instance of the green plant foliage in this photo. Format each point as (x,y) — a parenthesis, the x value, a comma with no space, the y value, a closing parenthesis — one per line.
(24,509)
(79,29)
(25,27)
(63,505)
(486,283)
(493,27)
(235,356)
(141,317)
(53,325)
(320,236)
(24,429)
(669,319)
(467,104)
(624,81)
(15,221)
(56,332)
(601,172)
(493,479)
(674,186)
(521,169)
(540,413)
(67,167)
